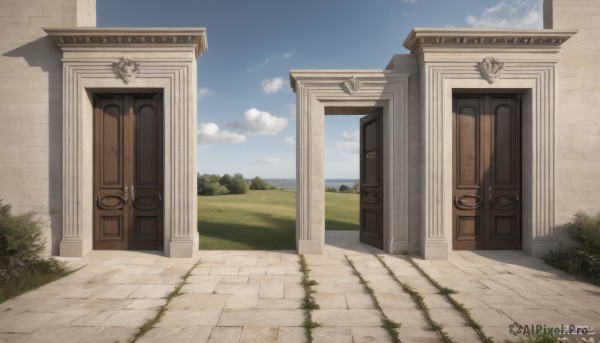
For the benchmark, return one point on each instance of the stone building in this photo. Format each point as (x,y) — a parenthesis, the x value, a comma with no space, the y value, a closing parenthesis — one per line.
(477,139)
(77,102)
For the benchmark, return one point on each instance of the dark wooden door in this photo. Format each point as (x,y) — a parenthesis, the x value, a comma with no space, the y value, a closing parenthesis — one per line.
(128,172)
(487,172)
(371,179)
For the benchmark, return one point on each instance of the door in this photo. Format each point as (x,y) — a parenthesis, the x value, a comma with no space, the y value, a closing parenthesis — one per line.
(128,172)
(487,172)
(371,179)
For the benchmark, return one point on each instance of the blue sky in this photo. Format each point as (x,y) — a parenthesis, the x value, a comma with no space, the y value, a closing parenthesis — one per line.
(246,108)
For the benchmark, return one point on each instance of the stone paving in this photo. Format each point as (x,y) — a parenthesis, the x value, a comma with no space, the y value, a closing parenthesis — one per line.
(256,296)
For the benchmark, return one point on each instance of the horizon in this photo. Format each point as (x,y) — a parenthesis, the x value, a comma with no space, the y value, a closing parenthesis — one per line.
(246,107)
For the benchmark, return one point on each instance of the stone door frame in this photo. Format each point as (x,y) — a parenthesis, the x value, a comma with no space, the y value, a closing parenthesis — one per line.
(130,60)
(459,60)
(321,92)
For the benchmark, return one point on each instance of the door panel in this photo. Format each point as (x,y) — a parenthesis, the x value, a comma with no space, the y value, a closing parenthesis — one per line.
(487,172)
(128,159)
(147,183)
(371,179)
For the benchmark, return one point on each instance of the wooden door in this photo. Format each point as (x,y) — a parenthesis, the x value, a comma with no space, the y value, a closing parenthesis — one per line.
(371,179)
(487,172)
(128,172)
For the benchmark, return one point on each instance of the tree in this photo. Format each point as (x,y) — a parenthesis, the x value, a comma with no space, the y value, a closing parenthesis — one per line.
(239,186)
(259,184)
(344,188)
(226,181)
(204,182)
(356,186)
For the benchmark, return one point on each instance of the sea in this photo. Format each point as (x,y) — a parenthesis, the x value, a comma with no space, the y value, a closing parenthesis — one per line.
(291,183)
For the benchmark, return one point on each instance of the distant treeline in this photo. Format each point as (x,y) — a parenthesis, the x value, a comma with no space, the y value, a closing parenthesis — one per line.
(213,184)
(355,188)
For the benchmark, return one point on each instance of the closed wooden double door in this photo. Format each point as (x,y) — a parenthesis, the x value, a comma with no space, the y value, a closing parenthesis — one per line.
(128,172)
(487,171)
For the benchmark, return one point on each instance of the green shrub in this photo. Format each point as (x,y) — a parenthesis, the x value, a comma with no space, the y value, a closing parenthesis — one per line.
(344,188)
(585,229)
(331,189)
(259,184)
(20,238)
(215,188)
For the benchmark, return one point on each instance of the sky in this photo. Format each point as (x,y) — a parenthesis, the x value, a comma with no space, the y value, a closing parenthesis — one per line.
(246,107)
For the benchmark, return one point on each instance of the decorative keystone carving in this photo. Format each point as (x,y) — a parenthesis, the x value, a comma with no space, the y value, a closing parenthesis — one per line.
(127,68)
(490,68)
(352,85)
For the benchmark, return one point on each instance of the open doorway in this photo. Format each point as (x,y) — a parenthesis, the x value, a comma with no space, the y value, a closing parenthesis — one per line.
(354,183)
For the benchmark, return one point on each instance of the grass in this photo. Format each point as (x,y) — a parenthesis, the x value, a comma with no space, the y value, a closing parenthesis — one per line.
(447,292)
(389,325)
(418,299)
(32,276)
(309,302)
(150,324)
(264,220)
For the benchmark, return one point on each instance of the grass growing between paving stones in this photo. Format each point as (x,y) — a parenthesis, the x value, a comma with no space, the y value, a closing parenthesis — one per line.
(389,325)
(540,338)
(149,325)
(309,302)
(447,292)
(418,298)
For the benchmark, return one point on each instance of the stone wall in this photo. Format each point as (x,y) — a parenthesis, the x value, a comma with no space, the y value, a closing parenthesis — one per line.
(577,108)
(31,106)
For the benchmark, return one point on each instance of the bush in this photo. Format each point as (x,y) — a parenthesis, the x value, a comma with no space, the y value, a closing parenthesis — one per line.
(331,189)
(258,184)
(583,262)
(215,188)
(20,238)
(344,188)
(238,186)
(585,229)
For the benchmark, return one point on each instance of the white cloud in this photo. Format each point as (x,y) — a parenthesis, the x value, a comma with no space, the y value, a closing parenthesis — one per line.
(202,92)
(510,13)
(270,59)
(274,85)
(260,123)
(351,136)
(350,140)
(209,133)
(290,140)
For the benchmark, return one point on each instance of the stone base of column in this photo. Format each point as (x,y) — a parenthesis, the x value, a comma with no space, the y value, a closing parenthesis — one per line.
(183,249)
(541,247)
(305,246)
(398,247)
(435,250)
(74,247)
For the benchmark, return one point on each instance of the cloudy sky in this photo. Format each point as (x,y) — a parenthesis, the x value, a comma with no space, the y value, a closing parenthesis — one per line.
(246,108)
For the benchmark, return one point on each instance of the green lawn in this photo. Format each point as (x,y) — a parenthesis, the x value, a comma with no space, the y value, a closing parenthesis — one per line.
(264,219)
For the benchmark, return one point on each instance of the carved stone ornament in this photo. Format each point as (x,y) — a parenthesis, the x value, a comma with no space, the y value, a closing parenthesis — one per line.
(128,69)
(490,68)
(352,85)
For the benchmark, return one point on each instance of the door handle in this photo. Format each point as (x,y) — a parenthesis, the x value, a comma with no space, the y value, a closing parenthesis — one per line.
(125,195)
(490,193)
(132,193)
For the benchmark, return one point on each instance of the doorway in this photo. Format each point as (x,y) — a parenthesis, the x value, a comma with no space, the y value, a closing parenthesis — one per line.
(486,171)
(128,172)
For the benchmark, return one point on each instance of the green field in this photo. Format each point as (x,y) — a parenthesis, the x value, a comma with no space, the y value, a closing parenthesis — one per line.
(264,219)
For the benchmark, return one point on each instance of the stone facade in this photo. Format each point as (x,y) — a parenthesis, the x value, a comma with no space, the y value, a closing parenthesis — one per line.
(556,72)
(49,75)
(31,106)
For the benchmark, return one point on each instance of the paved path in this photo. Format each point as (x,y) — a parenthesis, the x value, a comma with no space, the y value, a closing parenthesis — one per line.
(256,296)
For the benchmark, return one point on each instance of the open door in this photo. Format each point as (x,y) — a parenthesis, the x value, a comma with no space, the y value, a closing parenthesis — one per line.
(371,179)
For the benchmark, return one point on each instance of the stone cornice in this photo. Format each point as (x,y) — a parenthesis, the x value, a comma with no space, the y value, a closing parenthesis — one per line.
(111,36)
(341,75)
(485,38)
